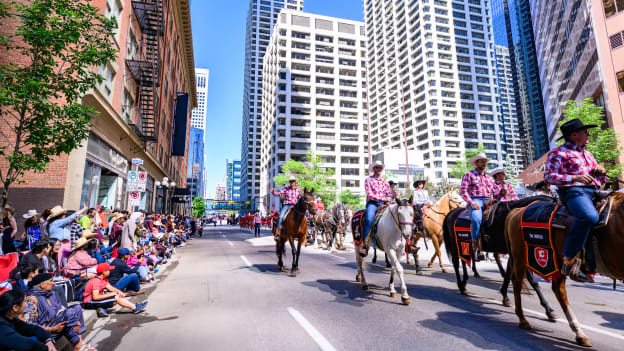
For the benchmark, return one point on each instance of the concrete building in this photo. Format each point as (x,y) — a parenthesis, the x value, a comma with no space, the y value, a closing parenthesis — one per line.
(436,62)
(143,112)
(198,117)
(261,18)
(396,170)
(507,109)
(580,46)
(313,98)
(513,29)
(195,175)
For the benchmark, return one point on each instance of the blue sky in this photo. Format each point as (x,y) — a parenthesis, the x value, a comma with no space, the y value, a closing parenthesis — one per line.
(219,45)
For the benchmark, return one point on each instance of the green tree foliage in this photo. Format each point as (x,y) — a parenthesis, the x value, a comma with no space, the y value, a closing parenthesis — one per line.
(440,189)
(310,175)
(63,43)
(463,166)
(510,171)
(199,207)
(350,199)
(603,142)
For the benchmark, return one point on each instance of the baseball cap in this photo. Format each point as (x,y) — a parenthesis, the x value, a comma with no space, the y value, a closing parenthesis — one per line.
(123,252)
(104,266)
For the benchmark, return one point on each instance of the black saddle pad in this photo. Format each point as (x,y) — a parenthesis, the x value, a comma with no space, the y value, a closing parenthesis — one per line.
(463,236)
(536,225)
(357,223)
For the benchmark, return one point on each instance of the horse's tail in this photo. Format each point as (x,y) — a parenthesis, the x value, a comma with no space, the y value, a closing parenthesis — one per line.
(447,229)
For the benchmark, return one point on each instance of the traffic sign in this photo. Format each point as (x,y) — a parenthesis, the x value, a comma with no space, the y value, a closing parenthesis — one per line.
(135,198)
(137,161)
(137,181)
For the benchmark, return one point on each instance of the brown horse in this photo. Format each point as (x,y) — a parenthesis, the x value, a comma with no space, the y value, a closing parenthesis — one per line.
(294,226)
(610,239)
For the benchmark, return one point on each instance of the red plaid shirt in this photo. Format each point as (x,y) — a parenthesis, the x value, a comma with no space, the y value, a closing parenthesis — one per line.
(291,195)
(499,186)
(475,184)
(569,160)
(376,189)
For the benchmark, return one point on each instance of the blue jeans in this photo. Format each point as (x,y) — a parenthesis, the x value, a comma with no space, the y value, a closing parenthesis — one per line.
(371,209)
(129,282)
(579,202)
(282,214)
(476,216)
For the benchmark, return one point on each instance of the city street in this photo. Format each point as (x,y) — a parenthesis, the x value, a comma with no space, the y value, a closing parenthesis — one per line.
(223,292)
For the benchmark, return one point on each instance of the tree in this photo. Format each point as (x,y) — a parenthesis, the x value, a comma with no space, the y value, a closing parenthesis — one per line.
(463,166)
(199,207)
(310,175)
(510,171)
(61,42)
(603,142)
(440,189)
(350,199)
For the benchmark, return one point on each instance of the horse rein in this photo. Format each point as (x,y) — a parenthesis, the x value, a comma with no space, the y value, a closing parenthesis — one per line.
(399,223)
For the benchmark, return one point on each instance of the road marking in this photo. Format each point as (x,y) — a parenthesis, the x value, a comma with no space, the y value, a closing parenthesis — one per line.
(229,242)
(246,261)
(223,235)
(309,328)
(340,257)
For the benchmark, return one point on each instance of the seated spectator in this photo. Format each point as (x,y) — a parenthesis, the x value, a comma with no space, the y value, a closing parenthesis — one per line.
(50,261)
(100,295)
(80,262)
(32,228)
(123,277)
(137,257)
(23,274)
(47,311)
(40,249)
(16,334)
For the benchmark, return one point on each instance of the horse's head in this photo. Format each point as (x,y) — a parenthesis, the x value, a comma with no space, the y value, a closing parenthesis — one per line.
(308,201)
(405,213)
(455,200)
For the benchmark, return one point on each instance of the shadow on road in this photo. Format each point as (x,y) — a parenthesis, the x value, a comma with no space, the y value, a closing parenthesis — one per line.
(614,320)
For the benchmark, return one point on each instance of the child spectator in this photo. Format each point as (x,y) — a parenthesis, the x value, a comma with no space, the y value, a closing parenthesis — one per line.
(99,294)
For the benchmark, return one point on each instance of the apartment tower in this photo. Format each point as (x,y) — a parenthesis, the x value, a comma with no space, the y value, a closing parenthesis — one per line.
(507,109)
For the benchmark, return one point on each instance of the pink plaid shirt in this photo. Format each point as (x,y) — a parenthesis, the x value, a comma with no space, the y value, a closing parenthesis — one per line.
(291,195)
(569,160)
(376,189)
(499,186)
(475,184)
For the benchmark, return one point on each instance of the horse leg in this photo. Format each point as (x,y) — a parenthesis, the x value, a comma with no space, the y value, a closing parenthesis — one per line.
(456,267)
(394,256)
(293,269)
(436,245)
(559,289)
(388,265)
(474,265)
(279,248)
(416,264)
(360,274)
(296,259)
(518,278)
(374,253)
(550,313)
(505,286)
(465,279)
(393,292)
(499,264)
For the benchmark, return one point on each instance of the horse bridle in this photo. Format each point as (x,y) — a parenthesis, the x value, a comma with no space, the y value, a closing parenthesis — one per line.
(399,223)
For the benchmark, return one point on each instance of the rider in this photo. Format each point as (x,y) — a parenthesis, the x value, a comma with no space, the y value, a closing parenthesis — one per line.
(291,195)
(503,190)
(377,192)
(477,189)
(421,195)
(319,205)
(393,191)
(576,173)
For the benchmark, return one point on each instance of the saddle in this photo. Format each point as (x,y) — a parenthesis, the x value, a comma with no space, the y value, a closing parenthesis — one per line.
(463,236)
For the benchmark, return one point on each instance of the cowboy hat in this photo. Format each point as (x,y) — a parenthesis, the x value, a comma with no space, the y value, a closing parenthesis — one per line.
(375,164)
(415,184)
(56,211)
(80,243)
(480,156)
(30,214)
(574,125)
(88,234)
(392,182)
(496,171)
(292,178)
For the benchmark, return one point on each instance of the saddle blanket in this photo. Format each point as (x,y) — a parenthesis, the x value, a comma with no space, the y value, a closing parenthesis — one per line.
(357,224)
(463,236)
(275,219)
(536,225)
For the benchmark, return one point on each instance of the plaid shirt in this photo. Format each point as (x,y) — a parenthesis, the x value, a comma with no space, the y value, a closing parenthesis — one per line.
(376,189)
(75,231)
(511,194)
(569,160)
(475,184)
(291,195)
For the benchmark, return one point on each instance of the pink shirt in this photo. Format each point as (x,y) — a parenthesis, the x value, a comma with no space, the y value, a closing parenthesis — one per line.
(376,189)
(258,220)
(78,262)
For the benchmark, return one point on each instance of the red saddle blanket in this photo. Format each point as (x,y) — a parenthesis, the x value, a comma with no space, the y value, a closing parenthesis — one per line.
(275,219)
(463,236)
(536,225)
(357,223)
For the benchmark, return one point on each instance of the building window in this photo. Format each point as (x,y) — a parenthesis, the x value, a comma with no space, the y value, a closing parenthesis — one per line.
(620,79)
(113,10)
(107,72)
(126,106)
(612,7)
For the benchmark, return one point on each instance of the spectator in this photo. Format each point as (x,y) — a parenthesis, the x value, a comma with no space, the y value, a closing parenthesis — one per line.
(40,249)
(47,311)
(75,228)
(99,294)
(58,222)
(104,218)
(23,274)
(32,227)
(9,230)
(137,257)
(80,261)
(16,334)
(149,222)
(123,277)
(116,229)
(129,231)
(50,261)
(88,220)
(257,224)
(43,223)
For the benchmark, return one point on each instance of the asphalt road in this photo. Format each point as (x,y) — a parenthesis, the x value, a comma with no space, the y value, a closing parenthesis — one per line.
(224,292)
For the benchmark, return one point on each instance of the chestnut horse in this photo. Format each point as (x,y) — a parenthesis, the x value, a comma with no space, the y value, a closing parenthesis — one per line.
(609,259)
(294,226)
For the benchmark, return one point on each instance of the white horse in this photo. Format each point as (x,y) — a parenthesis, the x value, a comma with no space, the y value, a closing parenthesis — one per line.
(393,229)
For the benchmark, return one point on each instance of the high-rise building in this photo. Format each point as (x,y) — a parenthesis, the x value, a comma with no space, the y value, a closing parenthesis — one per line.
(436,62)
(261,18)
(198,117)
(195,172)
(232,179)
(313,98)
(513,29)
(507,109)
(221,192)
(580,46)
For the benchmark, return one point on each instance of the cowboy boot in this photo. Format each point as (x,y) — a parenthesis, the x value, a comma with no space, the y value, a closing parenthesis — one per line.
(572,268)
(364,246)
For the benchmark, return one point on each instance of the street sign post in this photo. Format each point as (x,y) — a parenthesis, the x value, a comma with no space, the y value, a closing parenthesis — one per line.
(135,198)
(137,181)
(137,161)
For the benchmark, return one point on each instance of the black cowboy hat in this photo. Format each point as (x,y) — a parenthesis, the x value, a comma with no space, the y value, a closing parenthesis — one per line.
(418,182)
(391,182)
(574,125)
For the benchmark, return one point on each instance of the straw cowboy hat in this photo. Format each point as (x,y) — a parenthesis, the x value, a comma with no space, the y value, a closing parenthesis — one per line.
(375,164)
(496,171)
(477,157)
(292,178)
(56,211)
(88,234)
(31,214)
(80,243)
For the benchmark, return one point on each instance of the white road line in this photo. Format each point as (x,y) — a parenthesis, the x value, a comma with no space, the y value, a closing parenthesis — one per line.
(229,242)
(246,261)
(223,235)
(340,257)
(309,328)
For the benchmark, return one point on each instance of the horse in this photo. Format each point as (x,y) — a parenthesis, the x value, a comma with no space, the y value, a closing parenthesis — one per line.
(608,252)
(341,232)
(394,228)
(294,226)
(432,222)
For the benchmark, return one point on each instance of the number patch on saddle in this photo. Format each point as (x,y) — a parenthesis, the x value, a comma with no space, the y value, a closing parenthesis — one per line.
(536,225)
(463,236)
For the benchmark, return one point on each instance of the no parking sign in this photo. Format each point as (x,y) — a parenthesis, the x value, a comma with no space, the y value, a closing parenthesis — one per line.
(135,198)
(137,181)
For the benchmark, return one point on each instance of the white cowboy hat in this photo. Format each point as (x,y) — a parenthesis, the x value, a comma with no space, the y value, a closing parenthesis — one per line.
(30,214)
(292,178)
(375,164)
(496,171)
(56,211)
(480,156)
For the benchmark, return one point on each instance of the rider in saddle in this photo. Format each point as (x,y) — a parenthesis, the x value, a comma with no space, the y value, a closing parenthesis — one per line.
(477,189)
(393,191)
(377,193)
(421,195)
(319,205)
(503,190)
(291,195)
(577,175)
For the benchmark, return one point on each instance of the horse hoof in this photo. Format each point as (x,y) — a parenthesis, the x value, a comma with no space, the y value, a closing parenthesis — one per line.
(358,278)
(464,292)
(477,275)
(525,326)
(583,341)
(394,295)
(365,287)
(293,273)
(430,265)
(444,270)
(419,272)
(405,300)
(552,316)
(506,302)
(282,269)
